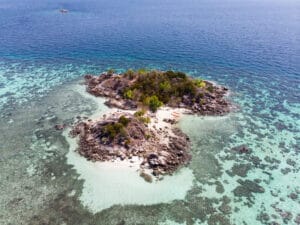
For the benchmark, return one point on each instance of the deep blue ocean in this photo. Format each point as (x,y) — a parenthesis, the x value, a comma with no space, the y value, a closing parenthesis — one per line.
(251,46)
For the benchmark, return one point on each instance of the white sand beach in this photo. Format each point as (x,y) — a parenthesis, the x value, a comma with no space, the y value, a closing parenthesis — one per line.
(118,182)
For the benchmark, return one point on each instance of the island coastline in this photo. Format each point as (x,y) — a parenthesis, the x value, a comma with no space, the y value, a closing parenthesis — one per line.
(136,129)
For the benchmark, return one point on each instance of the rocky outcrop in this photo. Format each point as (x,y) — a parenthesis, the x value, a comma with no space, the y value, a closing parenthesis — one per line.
(108,139)
(207,101)
(124,135)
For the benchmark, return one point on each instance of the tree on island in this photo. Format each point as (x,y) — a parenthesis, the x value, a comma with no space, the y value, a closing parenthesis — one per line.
(153,103)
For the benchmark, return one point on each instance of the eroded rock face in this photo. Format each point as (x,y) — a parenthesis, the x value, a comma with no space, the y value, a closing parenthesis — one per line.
(97,143)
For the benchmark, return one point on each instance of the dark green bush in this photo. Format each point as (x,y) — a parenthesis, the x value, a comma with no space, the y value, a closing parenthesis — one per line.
(210,89)
(200,83)
(153,102)
(171,74)
(111,71)
(128,94)
(154,88)
(142,71)
(113,129)
(144,119)
(130,74)
(124,121)
(165,86)
(139,113)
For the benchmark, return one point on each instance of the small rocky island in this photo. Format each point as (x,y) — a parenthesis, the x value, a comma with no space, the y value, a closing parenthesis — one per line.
(149,105)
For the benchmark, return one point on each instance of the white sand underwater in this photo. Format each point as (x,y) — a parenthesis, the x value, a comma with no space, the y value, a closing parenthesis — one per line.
(110,183)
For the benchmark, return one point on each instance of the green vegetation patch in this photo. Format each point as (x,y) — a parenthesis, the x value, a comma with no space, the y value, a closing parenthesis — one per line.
(111,130)
(153,102)
(124,121)
(114,129)
(140,116)
(155,88)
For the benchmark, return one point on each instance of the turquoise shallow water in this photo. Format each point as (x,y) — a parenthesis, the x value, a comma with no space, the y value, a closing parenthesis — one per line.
(250,47)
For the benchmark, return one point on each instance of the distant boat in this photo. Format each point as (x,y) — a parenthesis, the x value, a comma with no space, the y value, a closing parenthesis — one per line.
(63,10)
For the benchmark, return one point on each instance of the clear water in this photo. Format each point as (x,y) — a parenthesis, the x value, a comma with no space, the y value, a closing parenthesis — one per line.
(253,47)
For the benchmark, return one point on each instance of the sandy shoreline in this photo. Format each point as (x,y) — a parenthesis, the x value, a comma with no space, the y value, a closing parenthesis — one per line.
(157,119)
(118,182)
(167,144)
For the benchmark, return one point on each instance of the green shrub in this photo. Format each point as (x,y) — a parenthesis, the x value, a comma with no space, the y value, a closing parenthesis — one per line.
(139,113)
(128,94)
(144,119)
(200,83)
(210,89)
(124,121)
(153,102)
(155,88)
(181,75)
(113,129)
(111,71)
(189,88)
(148,136)
(171,74)
(127,142)
(130,74)
(142,71)
(202,101)
(165,86)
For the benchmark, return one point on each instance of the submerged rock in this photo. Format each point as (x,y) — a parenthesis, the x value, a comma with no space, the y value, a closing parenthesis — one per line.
(293,196)
(242,149)
(263,217)
(297,219)
(60,126)
(291,162)
(241,169)
(147,177)
(246,188)
(224,208)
